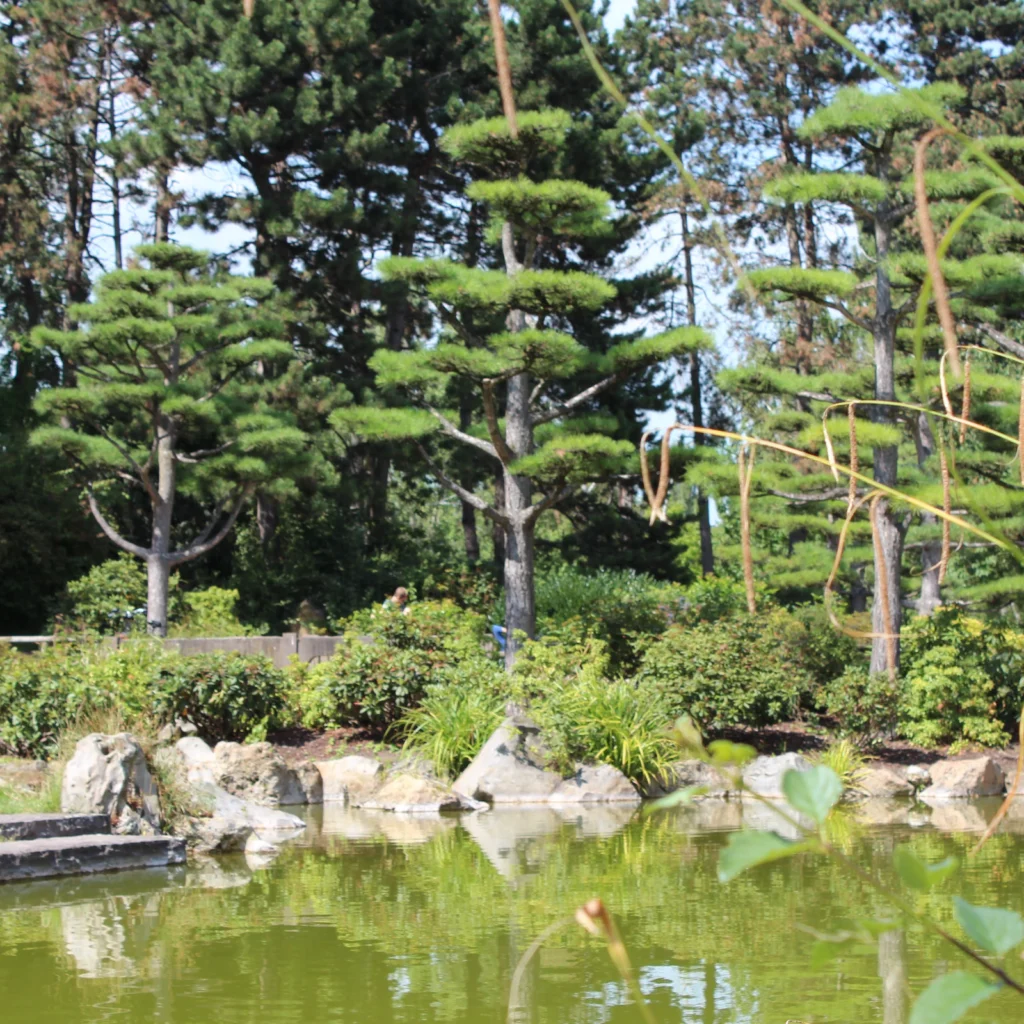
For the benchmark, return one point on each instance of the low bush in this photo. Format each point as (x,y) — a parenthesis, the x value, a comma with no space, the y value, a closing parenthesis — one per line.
(586,717)
(616,604)
(864,708)
(212,612)
(42,694)
(226,695)
(962,680)
(744,670)
(103,600)
(827,652)
(451,725)
(387,662)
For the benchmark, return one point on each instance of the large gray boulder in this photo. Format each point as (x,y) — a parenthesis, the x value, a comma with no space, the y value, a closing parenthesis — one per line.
(884,783)
(413,794)
(228,820)
(764,774)
(353,779)
(108,775)
(964,780)
(257,772)
(505,771)
(685,774)
(595,783)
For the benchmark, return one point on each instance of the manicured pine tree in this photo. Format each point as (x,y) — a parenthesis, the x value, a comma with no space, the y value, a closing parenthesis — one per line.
(170,402)
(507,334)
(871,132)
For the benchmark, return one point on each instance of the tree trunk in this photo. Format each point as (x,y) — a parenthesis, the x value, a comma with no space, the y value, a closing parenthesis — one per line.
(707,560)
(498,533)
(158,576)
(520,609)
(469,534)
(520,614)
(266,518)
(888,560)
(158,561)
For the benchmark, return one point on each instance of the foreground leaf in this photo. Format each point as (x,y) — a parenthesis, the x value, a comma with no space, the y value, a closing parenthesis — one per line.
(994,930)
(725,752)
(919,875)
(813,792)
(748,849)
(948,998)
(680,796)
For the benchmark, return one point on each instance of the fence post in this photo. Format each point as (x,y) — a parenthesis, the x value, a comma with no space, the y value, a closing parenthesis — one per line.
(286,647)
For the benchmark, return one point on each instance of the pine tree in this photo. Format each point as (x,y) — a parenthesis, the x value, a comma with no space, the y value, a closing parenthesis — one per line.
(507,335)
(873,293)
(170,402)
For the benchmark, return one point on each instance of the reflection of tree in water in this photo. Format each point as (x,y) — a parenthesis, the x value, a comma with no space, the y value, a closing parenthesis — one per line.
(429,927)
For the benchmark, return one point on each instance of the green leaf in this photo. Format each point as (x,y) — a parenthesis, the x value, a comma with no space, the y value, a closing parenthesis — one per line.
(993,929)
(748,849)
(680,796)
(813,792)
(948,998)
(919,875)
(725,752)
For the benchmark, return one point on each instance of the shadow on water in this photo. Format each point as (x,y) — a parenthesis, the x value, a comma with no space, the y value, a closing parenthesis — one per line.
(374,918)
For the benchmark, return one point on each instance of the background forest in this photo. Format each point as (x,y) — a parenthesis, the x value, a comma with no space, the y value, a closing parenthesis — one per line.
(310,148)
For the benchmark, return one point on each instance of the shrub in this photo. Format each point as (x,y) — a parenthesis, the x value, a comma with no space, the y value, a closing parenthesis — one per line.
(103,599)
(962,680)
(864,707)
(710,599)
(827,652)
(42,694)
(587,717)
(616,604)
(451,725)
(745,670)
(387,662)
(227,696)
(212,612)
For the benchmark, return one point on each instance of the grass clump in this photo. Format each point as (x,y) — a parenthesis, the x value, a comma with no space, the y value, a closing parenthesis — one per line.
(844,758)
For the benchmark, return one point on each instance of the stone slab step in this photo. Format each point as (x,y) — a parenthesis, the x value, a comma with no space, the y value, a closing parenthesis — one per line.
(50,826)
(79,855)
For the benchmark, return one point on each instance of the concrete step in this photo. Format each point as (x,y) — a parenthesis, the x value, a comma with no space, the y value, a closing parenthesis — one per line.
(80,855)
(50,826)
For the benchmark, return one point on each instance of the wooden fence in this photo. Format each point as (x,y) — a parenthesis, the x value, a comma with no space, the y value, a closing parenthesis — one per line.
(279,649)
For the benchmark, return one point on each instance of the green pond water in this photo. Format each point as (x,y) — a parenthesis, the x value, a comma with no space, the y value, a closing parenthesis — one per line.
(372,919)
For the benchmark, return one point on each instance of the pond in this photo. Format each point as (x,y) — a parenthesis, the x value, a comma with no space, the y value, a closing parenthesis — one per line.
(372,919)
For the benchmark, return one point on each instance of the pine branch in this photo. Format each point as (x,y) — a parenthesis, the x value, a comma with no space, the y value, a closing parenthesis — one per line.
(204,453)
(557,494)
(1015,348)
(198,548)
(112,534)
(830,495)
(566,407)
(453,431)
(504,453)
(460,492)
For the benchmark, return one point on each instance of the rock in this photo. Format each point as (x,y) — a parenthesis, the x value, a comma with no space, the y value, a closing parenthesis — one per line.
(310,784)
(412,794)
(958,816)
(108,775)
(764,775)
(685,774)
(505,771)
(884,783)
(260,847)
(919,775)
(257,772)
(131,823)
(229,820)
(964,780)
(595,784)
(171,732)
(353,779)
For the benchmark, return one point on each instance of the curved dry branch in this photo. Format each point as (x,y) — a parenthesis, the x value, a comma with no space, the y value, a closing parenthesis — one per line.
(930,247)
(112,534)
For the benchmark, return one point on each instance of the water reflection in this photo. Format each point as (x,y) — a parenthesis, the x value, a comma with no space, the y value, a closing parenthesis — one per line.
(376,919)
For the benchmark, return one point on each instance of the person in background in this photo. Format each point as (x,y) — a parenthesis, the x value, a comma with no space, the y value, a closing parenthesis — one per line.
(398,601)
